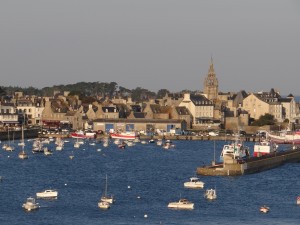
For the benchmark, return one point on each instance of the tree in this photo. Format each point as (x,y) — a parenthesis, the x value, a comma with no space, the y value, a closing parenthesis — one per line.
(266,119)
(162,93)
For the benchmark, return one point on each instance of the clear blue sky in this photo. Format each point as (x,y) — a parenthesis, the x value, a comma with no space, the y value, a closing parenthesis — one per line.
(153,44)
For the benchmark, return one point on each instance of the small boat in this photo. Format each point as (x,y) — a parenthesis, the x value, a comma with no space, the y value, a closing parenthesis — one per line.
(47,151)
(264,209)
(30,204)
(76,144)
(298,200)
(159,142)
(124,135)
(22,154)
(122,145)
(210,194)
(194,183)
(49,193)
(105,143)
(181,204)
(105,197)
(151,141)
(103,205)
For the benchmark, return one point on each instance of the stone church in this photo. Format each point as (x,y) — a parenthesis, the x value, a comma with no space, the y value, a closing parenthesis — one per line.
(211,86)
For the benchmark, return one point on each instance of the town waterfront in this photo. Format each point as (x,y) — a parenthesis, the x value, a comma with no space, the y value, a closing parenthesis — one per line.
(143,178)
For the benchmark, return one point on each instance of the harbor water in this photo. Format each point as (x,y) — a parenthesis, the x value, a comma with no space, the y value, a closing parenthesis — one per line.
(143,178)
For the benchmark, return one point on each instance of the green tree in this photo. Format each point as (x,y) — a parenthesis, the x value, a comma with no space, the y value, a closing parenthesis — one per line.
(162,93)
(266,119)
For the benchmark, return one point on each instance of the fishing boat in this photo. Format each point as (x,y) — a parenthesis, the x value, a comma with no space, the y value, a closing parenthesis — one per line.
(83,134)
(236,149)
(194,183)
(210,194)
(264,147)
(181,204)
(285,137)
(105,197)
(30,204)
(129,135)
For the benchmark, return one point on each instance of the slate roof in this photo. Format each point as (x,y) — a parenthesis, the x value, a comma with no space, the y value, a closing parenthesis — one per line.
(200,100)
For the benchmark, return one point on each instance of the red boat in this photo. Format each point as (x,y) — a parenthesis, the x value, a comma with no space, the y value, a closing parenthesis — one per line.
(264,147)
(82,135)
(124,135)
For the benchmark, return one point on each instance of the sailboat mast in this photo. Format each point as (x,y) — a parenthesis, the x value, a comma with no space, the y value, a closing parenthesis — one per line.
(106,186)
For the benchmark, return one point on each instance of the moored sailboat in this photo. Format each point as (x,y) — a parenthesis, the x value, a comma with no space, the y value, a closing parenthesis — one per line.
(22,154)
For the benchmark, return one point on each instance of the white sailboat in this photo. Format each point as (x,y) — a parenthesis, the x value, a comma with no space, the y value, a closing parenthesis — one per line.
(22,154)
(9,148)
(105,197)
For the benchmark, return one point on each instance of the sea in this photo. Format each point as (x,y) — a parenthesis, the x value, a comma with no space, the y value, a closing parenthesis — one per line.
(143,178)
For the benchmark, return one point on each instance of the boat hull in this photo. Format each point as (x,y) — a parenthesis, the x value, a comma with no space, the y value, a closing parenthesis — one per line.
(124,136)
(175,205)
(52,194)
(285,138)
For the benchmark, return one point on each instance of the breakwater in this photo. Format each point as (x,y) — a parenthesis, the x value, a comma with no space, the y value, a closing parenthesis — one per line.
(251,165)
(17,134)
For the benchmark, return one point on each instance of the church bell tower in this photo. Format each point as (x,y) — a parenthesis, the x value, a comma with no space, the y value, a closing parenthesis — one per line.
(211,86)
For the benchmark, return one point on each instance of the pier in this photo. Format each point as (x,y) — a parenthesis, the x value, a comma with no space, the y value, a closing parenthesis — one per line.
(234,167)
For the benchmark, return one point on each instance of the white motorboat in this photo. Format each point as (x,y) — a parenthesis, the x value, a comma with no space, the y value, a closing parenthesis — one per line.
(264,209)
(105,197)
(103,205)
(194,183)
(210,194)
(49,193)
(181,204)
(30,204)
(298,200)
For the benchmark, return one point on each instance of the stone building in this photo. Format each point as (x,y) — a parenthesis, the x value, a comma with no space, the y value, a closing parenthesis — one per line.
(201,109)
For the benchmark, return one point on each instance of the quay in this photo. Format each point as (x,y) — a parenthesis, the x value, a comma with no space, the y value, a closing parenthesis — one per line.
(234,167)
(17,134)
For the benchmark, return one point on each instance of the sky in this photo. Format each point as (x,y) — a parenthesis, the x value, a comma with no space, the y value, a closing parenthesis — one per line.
(154,44)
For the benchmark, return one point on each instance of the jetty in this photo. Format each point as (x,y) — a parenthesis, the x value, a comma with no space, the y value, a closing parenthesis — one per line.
(237,167)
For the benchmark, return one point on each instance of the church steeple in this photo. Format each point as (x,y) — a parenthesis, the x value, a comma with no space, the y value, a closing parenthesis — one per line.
(211,85)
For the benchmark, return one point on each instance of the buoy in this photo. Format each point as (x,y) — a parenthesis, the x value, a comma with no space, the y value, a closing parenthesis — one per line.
(65,184)
(146,216)
(129,187)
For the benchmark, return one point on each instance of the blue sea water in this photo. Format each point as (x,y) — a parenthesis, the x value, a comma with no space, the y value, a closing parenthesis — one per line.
(146,171)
